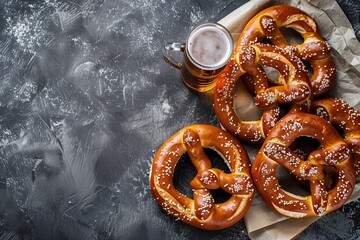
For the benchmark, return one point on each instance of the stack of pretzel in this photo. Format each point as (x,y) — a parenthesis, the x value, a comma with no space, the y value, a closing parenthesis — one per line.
(333,123)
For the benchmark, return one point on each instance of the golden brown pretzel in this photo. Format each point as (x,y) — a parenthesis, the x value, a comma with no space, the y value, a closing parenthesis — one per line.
(202,211)
(345,117)
(294,89)
(333,152)
(314,48)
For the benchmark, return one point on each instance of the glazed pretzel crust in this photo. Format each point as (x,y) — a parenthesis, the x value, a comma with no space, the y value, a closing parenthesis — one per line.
(314,48)
(202,211)
(345,117)
(333,152)
(295,89)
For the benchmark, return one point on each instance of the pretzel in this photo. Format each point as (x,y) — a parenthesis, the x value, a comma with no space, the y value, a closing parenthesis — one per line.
(333,152)
(346,118)
(314,48)
(202,211)
(294,89)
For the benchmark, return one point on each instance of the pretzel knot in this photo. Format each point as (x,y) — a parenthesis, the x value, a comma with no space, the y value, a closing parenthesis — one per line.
(294,88)
(276,150)
(202,211)
(347,119)
(314,49)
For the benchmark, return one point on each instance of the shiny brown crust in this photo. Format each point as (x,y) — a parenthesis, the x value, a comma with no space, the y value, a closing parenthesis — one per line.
(275,150)
(294,89)
(202,211)
(314,48)
(347,119)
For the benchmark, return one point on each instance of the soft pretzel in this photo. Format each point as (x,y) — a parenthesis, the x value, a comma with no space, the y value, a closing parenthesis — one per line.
(347,119)
(202,211)
(276,150)
(294,89)
(314,48)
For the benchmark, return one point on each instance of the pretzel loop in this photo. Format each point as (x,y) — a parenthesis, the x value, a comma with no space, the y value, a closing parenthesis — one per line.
(346,118)
(267,24)
(202,211)
(276,150)
(250,60)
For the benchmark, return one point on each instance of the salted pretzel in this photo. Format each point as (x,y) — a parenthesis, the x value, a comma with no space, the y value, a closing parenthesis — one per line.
(314,49)
(347,119)
(276,150)
(295,88)
(202,211)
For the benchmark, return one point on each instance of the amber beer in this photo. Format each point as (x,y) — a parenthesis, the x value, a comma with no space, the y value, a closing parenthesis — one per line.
(206,52)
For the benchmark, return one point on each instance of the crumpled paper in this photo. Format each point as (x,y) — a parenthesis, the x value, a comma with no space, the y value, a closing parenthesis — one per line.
(262,222)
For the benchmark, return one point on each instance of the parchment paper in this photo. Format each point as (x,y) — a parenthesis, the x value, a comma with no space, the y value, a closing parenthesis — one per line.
(262,222)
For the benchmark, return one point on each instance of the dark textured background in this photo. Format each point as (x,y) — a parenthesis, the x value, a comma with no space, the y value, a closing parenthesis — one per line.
(85,102)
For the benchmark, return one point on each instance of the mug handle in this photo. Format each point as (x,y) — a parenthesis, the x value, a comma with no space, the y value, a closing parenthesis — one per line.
(175,47)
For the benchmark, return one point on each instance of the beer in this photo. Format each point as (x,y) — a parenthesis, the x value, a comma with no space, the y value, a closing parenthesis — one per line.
(206,52)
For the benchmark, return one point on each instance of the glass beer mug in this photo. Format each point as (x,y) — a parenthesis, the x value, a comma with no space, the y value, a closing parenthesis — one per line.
(207,50)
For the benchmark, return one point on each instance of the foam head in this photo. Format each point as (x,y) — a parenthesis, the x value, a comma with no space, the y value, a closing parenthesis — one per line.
(210,46)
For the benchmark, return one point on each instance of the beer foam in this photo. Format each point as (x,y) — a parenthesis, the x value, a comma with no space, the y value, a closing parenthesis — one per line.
(209,46)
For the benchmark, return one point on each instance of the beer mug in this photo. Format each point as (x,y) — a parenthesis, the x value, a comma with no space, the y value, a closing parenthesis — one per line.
(206,52)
